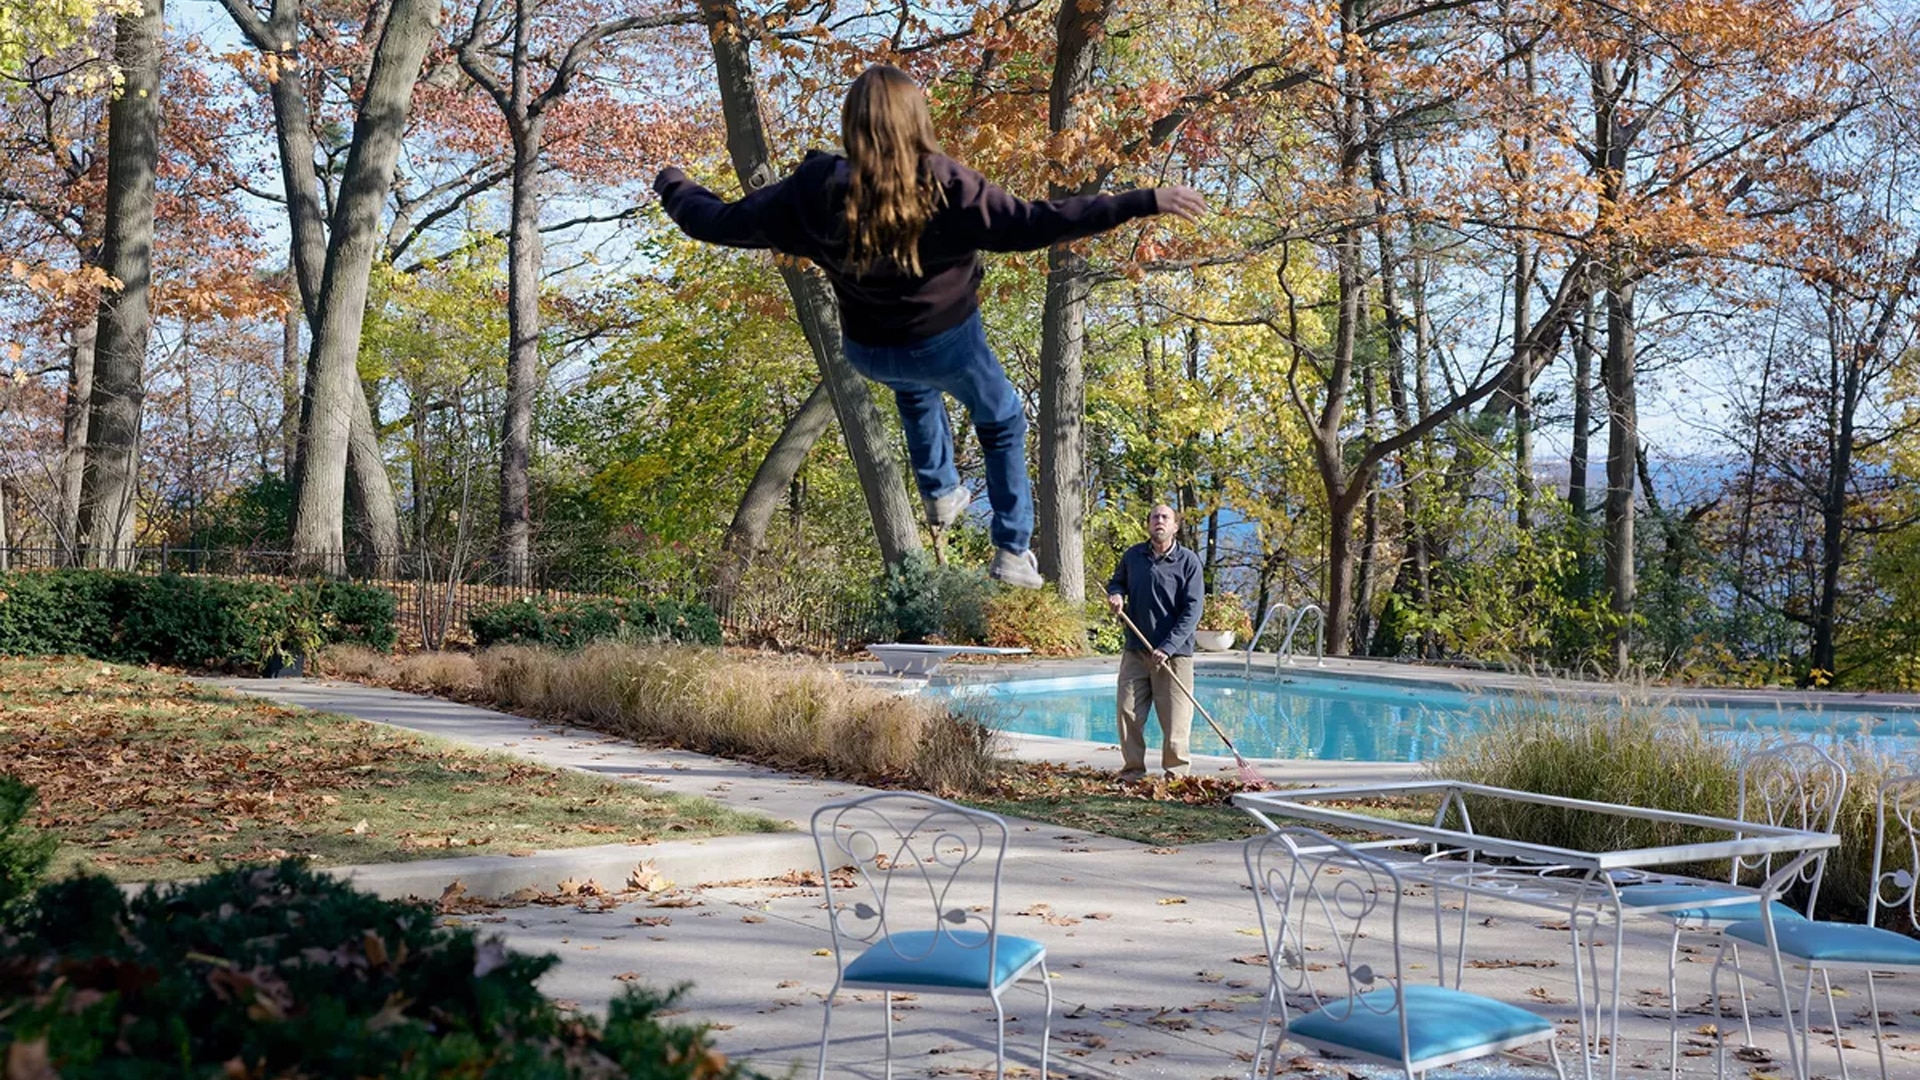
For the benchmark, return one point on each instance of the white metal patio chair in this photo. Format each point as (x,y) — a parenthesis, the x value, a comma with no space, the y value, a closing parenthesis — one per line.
(921,913)
(1864,947)
(1797,785)
(1318,894)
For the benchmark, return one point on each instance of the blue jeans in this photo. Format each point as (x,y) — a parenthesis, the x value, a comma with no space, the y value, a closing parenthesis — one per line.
(958,362)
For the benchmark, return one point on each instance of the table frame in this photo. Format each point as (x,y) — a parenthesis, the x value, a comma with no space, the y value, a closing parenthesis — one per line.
(1582,884)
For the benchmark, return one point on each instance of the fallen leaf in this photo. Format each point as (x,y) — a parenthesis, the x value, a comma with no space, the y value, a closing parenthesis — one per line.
(1168,900)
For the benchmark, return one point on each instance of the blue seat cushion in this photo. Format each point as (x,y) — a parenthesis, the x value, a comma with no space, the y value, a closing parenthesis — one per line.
(956,959)
(1832,942)
(1439,1022)
(1664,895)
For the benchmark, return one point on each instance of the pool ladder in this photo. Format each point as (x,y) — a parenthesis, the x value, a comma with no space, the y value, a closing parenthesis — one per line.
(1294,616)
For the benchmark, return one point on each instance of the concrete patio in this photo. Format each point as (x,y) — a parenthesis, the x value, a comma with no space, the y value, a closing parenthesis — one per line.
(1155,951)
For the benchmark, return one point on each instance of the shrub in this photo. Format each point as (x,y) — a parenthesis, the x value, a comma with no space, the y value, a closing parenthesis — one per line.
(907,600)
(1105,634)
(916,599)
(358,615)
(574,624)
(275,971)
(514,622)
(60,613)
(1036,619)
(24,850)
(200,621)
(1226,611)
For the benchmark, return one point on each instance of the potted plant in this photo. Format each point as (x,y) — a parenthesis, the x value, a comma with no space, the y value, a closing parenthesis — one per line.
(286,632)
(1222,618)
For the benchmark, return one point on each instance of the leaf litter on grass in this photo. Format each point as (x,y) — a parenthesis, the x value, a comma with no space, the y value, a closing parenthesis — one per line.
(146,775)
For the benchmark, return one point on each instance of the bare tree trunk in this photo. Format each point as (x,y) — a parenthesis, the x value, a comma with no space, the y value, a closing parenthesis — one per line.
(523,353)
(1623,437)
(747,534)
(1577,458)
(1370,516)
(73,437)
(332,393)
(1060,493)
(894,522)
(110,475)
(1522,388)
(290,388)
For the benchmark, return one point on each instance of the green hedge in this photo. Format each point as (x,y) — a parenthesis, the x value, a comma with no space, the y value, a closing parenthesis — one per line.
(204,621)
(569,624)
(277,971)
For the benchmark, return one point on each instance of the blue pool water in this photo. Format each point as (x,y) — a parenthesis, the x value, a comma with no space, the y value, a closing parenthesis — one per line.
(1318,717)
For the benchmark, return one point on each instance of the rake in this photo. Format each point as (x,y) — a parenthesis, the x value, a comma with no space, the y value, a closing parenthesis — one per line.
(1249,775)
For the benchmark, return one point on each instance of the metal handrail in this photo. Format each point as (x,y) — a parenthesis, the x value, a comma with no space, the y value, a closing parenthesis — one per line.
(1246,665)
(1319,637)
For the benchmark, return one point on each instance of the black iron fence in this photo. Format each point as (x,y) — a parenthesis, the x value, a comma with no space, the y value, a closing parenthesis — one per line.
(436,595)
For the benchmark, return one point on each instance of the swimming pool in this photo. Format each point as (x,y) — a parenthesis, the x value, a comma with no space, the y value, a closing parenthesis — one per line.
(1336,719)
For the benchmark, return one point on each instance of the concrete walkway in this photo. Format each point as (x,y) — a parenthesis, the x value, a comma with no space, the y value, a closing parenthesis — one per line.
(1155,951)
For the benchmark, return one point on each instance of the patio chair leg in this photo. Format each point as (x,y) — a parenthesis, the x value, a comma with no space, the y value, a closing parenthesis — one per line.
(1046,1024)
(886,1002)
(999,1039)
(1720,1033)
(1673,1004)
(1740,981)
(1260,1040)
(826,1022)
(1806,1025)
(1833,1017)
(1879,1037)
(1553,1051)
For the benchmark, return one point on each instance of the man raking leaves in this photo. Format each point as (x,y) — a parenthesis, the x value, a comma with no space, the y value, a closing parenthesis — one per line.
(1162,582)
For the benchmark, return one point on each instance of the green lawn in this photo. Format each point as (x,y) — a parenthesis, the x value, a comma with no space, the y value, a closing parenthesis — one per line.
(147,776)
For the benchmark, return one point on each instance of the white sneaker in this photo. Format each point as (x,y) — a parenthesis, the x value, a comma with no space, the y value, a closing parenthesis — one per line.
(1021,569)
(946,509)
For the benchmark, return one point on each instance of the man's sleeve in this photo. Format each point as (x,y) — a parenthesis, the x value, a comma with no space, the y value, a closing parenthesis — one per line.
(1193,592)
(705,216)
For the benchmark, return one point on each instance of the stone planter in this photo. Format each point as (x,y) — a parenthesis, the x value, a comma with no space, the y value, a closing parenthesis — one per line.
(1213,640)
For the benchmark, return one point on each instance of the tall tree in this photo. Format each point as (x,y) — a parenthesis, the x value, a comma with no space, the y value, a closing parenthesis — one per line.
(331,395)
(277,37)
(525,109)
(110,476)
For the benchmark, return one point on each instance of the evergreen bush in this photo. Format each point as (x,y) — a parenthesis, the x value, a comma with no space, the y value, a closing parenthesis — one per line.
(180,619)
(277,971)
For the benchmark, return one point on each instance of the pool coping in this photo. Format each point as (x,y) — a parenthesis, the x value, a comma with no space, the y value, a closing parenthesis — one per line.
(1405,674)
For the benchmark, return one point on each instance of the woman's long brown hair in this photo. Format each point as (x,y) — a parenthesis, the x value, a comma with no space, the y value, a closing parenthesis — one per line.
(887,134)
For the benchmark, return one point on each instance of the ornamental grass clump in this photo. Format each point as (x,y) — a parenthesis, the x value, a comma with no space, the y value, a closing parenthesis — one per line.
(1639,753)
(794,714)
(1635,753)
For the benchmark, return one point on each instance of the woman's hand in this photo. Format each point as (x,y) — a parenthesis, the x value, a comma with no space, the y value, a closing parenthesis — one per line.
(1180,199)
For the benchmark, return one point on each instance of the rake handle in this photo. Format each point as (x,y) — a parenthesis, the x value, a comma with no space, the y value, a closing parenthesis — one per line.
(1175,679)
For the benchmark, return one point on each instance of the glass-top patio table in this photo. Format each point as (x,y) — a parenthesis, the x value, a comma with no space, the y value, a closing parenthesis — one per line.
(1448,853)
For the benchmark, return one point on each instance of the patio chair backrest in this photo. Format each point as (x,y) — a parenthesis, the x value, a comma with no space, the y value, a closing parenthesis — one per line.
(1796,785)
(917,864)
(1896,851)
(1317,897)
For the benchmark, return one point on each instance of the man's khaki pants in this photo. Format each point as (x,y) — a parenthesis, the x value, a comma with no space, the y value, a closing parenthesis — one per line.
(1143,686)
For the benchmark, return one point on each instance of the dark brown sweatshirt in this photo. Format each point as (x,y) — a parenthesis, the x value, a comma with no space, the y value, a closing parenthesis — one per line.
(804,215)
